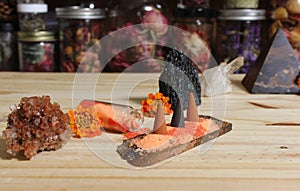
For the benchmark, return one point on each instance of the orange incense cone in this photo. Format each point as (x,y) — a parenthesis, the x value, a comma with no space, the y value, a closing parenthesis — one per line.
(192,113)
(160,126)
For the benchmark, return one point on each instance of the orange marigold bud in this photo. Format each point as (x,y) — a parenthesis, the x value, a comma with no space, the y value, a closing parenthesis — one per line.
(149,106)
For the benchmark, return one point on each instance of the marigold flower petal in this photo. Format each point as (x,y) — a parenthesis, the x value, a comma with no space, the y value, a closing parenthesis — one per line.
(149,105)
(151,96)
(158,95)
(165,99)
(149,101)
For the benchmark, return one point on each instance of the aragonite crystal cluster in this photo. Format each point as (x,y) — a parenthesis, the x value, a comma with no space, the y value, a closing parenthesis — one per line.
(35,125)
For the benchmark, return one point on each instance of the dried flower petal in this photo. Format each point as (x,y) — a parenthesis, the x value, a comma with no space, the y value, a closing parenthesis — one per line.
(149,106)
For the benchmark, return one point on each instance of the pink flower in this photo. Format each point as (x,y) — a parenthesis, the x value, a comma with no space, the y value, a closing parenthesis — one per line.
(155,21)
(196,49)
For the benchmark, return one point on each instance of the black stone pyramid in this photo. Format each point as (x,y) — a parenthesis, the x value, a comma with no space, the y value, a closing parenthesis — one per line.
(275,70)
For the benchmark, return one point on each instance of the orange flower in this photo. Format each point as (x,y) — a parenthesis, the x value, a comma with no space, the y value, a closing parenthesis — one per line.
(165,99)
(149,101)
(159,95)
(149,106)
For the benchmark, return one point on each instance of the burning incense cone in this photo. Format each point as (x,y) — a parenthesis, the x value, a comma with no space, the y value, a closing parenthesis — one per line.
(160,126)
(178,117)
(192,113)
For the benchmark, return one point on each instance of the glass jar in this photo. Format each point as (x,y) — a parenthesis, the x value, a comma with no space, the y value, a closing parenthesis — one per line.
(36,51)
(8,47)
(197,20)
(240,32)
(146,52)
(32,16)
(201,24)
(241,4)
(132,11)
(80,29)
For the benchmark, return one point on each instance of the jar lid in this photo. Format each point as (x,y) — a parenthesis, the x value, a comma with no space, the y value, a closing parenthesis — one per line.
(32,8)
(8,26)
(36,36)
(76,12)
(194,12)
(242,14)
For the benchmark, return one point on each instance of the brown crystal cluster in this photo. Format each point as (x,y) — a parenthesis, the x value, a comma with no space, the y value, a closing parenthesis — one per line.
(35,125)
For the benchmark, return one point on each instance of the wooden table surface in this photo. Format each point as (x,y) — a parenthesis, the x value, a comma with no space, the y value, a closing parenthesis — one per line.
(262,152)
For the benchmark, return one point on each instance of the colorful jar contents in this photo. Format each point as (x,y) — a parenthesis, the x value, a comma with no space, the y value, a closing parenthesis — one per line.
(8,11)
(240,33)
(91,116)
(200,23)
(36,51)
(232,4)
(32,16)
(8,47)
(146,37)
(281,3)
(287,18)
(80,32)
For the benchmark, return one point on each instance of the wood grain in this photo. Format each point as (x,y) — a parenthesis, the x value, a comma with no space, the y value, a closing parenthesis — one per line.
(263,105)
(253,156)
